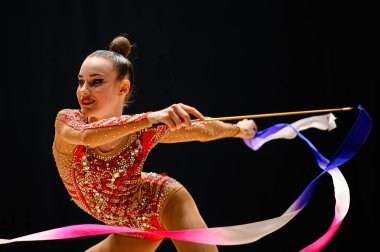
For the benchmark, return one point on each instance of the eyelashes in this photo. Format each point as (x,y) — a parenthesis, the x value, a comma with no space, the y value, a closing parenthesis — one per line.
(92,83)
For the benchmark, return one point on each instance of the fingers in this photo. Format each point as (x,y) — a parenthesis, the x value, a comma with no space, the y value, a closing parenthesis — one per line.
(251,124)
(181,114)
(177,114)
(248,128)
(191,110)
(176,118)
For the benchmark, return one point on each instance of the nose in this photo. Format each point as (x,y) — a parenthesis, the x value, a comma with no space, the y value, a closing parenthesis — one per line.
(85,88)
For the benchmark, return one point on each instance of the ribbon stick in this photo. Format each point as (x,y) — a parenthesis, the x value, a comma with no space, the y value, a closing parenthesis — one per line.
(248,233)
(289,113)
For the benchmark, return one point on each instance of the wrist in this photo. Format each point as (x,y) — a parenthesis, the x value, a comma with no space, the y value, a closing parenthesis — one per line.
(149,117)
(236,130)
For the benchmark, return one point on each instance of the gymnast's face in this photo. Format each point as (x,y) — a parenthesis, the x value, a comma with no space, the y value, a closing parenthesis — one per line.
(99,93)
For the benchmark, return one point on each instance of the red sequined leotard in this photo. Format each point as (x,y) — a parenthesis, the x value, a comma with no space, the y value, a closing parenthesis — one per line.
(111,186)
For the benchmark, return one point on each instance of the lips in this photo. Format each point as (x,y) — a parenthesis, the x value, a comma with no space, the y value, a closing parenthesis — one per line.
(87,101)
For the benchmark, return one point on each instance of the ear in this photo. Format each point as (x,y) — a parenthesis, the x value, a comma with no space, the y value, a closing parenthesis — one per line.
(125,86)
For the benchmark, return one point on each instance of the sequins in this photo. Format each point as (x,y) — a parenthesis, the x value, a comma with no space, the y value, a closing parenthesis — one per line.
(112,188)
(75,119)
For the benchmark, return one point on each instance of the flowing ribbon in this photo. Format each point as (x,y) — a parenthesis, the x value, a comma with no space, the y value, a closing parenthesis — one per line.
(251,232)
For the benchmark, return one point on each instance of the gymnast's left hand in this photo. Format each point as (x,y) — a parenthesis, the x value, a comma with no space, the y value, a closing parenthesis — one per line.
(247,128)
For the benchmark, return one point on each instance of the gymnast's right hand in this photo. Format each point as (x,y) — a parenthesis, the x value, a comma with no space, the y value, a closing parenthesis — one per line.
(174,116)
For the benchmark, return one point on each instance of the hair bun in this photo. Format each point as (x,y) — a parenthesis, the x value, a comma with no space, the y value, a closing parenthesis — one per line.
(121,45)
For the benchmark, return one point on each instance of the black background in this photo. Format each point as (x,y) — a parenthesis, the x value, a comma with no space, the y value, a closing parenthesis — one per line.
(224,58)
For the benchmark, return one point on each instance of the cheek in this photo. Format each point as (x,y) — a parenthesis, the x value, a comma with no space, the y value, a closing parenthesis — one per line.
(104,97)
(77,93)
(109,93)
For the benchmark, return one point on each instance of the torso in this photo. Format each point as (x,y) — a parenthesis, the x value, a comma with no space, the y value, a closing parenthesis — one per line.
(110,146)
(108,183)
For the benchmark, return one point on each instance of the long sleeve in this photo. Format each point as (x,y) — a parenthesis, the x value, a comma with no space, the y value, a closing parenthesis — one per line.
(71,127)
(201,131)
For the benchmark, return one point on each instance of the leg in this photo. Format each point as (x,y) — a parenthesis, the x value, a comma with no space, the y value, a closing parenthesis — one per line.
(120,243)
(181,213)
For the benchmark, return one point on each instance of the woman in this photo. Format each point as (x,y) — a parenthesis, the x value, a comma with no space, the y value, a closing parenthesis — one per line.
(100,154)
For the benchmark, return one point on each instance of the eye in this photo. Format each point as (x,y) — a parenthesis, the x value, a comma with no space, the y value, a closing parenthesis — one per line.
(97,82)
(80,82)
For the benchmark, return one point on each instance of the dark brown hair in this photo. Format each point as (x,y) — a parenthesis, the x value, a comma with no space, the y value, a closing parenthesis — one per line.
(117,53)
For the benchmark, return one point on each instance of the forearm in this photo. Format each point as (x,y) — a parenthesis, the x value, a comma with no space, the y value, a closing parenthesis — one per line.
(201,131)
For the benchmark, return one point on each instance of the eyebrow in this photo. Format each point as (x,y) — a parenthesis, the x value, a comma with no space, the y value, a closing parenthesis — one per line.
(92,75)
